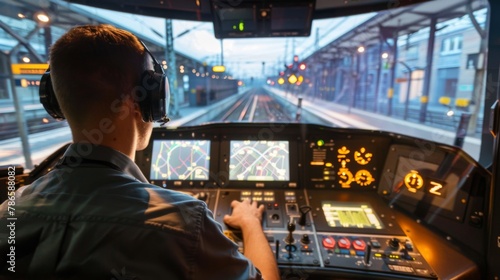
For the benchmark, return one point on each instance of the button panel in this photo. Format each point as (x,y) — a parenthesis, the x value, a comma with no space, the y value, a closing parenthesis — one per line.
(395,254)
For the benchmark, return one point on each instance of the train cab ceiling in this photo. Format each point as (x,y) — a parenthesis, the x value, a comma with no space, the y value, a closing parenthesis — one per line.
(265,18)
(202,9)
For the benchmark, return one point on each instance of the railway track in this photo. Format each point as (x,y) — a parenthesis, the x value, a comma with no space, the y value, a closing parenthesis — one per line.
(256,106)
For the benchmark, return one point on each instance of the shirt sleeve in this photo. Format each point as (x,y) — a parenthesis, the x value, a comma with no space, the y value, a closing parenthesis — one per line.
(218,257)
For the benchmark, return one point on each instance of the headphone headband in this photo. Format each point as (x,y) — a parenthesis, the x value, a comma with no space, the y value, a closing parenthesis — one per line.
(152,94)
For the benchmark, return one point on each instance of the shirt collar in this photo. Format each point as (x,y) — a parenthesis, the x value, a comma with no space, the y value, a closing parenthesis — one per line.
(105,154)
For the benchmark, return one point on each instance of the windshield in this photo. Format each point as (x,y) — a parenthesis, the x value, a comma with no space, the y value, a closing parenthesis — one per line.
(397,70)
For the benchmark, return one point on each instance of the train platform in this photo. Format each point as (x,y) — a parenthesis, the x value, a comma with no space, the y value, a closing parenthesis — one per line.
(347,117)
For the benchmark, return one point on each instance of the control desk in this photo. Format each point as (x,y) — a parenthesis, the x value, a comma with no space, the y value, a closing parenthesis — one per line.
(339,202)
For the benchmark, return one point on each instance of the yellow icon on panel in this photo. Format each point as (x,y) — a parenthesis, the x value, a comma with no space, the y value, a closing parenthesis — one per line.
(413,181)
(362,157)
(343,150)
(345,177)
(342,156)
(437,188)
(364,178)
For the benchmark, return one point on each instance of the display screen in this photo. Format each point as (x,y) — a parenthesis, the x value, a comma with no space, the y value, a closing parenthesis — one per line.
(291,18)
(259,161)
(237,20)
(417,180)
(180,160)
(350,215)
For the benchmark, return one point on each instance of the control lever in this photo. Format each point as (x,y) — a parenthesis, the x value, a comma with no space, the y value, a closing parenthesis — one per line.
(368,254)
(304,209)
(291,229)
(406,255)
(277,250)
(289,239)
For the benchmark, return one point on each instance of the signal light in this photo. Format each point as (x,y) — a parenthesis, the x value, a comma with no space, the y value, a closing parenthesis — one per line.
(219,69)
(302,66)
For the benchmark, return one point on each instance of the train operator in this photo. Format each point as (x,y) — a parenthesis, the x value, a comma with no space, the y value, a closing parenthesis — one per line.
(95,216)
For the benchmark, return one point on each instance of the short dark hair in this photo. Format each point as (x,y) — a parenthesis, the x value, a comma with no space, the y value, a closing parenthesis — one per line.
(93,65)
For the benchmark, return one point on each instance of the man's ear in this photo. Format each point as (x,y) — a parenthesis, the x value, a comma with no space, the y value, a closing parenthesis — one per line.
(126,107)
(136,109)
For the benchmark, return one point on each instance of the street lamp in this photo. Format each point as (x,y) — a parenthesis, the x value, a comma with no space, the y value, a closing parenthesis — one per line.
(41,17)
(360,50)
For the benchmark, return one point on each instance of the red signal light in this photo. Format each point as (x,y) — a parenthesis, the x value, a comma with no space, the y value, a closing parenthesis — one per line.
(302,66)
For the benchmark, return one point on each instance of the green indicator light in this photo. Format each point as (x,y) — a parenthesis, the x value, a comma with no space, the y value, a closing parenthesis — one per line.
(241,26)
(234,27)
(320,142)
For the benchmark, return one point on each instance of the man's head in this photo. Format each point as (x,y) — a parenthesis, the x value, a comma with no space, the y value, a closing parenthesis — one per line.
(96,73)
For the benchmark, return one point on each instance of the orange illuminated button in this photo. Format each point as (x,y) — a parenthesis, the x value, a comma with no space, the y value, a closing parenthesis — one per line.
(328,242)
(359,245)
(344,243)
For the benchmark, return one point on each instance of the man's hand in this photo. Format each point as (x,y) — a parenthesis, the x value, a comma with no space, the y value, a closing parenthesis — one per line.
(244,214)
(248,217)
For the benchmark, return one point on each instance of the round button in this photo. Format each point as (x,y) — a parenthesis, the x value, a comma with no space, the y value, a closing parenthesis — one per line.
(328,242)
(359,245)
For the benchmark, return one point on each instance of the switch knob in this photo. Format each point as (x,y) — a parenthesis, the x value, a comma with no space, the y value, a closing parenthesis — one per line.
(394,243)
(305,239)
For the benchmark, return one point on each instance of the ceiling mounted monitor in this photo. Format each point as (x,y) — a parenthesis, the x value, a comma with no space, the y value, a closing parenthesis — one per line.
(275,18)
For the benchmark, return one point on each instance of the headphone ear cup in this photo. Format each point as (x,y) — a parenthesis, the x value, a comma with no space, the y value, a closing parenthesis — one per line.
(144,93)
(165,97)
(151,96)
(48,97)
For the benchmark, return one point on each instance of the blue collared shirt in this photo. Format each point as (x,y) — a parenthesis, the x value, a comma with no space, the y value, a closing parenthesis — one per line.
(96,217)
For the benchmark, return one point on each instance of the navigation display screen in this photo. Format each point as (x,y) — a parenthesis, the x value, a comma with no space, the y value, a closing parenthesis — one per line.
(180,160)
(350,215)
(259,161)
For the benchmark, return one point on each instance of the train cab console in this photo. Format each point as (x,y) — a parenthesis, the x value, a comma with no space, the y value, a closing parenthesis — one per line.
(339,203)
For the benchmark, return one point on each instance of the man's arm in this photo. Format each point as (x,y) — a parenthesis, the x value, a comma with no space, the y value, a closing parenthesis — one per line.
(248,217)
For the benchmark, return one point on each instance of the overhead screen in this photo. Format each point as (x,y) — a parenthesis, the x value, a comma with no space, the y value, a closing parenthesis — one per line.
(259,160)
(275,18)
(180,160)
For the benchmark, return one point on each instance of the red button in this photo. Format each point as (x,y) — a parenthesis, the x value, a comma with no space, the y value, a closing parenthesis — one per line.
(359,245)
(329,242)
(344,243)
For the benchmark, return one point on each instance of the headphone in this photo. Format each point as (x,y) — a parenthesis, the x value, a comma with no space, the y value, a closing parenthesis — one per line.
(152,94)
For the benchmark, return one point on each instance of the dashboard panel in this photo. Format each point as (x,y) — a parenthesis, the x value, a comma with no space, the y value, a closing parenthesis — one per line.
(347,203)
(339,203)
